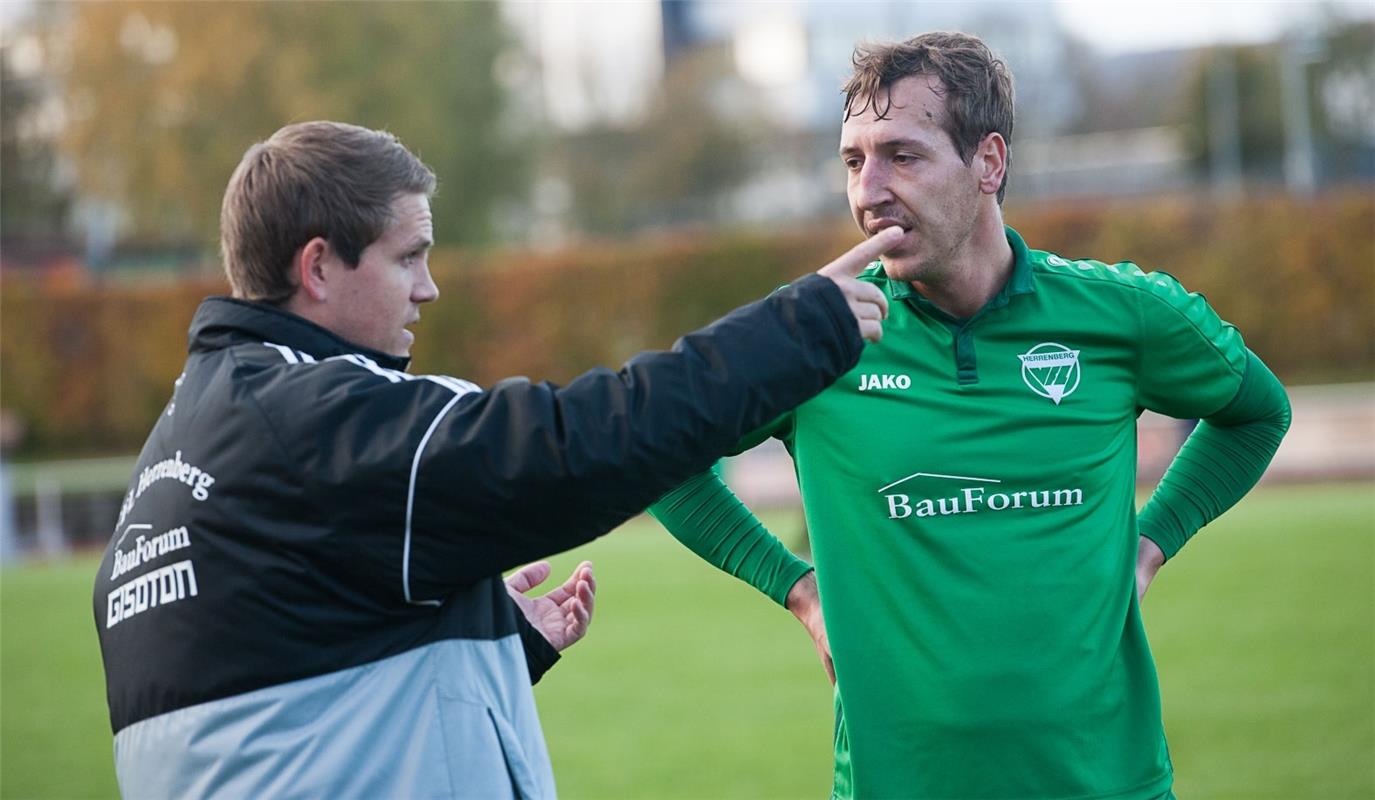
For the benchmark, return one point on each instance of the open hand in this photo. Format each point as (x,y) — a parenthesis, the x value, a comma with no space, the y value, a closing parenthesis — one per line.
(563,615)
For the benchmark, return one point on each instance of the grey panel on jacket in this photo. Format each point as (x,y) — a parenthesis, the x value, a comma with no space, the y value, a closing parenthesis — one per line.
(435,722)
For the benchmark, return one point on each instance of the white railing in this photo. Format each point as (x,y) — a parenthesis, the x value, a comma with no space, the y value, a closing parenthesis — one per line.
(1332,438)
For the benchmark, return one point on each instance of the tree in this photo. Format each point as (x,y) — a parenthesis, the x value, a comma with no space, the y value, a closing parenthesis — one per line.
(32,203)
(1344,96)
(673,167)
(1255,73)
(1336,64)
(163,98)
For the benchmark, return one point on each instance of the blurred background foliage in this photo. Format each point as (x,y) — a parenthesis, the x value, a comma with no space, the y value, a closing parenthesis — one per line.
(612,175)
(96,362)
(162,99)
(667,167)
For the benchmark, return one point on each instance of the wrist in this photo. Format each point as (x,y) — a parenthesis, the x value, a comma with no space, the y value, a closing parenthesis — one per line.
(803,598)
(1149,555)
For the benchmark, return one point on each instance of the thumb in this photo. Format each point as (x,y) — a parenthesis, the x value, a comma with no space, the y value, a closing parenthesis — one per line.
(858,257)
(528,577)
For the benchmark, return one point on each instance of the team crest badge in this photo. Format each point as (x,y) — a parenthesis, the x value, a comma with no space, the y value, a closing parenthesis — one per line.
(1051,370)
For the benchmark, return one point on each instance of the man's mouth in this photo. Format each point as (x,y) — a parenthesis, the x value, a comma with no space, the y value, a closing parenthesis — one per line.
(875,224)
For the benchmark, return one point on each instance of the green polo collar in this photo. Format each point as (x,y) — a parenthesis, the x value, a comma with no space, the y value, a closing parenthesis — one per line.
(1020,282)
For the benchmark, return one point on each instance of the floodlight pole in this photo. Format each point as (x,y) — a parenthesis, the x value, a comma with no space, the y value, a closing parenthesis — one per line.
(1300,172)
(1224,124)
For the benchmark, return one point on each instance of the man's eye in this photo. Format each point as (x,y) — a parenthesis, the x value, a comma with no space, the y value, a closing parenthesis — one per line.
(853,164)
(904,158)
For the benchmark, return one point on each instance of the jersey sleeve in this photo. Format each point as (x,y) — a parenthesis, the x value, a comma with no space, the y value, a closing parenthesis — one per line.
(1220,462)
(1191,361)
(706,516)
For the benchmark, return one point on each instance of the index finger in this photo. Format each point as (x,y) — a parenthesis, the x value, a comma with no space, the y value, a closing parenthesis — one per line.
(858,257)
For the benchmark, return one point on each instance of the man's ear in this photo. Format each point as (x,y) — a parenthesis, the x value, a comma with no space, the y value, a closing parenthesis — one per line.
(310,269)
(991,161)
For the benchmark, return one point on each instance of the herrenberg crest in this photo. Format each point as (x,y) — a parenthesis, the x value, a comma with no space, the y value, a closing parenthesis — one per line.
(1051,370)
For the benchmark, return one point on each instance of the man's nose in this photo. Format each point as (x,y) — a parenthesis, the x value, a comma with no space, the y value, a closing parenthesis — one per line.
(425,289)
(870,187)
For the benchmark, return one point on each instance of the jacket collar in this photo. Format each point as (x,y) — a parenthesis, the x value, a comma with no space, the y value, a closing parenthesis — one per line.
(225,321)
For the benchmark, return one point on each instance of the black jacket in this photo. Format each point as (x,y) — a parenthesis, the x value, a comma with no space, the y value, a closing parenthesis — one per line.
(304,506)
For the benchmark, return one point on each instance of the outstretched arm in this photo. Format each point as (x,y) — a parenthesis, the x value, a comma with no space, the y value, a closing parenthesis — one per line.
(525,470)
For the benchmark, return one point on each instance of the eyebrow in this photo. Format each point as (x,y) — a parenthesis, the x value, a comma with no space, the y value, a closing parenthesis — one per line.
(892,144)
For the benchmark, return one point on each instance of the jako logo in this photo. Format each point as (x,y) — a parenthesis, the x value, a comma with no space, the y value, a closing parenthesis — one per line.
(868,382)
(972,499)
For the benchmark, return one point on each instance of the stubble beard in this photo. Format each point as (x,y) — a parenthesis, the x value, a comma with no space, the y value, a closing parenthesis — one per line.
(925,265)
(934,267)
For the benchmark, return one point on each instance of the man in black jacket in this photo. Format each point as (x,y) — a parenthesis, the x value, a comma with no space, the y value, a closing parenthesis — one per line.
(303,592)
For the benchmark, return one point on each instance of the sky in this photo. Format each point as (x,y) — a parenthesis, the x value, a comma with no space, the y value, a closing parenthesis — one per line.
(1131,25)
(1137,25)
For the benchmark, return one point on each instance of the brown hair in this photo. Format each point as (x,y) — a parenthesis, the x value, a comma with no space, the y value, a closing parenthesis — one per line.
(976,84)
(311,179)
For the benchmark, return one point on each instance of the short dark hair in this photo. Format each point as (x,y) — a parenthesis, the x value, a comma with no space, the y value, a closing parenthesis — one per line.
(326,179)
(976,84)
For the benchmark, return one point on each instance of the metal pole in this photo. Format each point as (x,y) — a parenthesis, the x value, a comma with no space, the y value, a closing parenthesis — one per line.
(1300,175)
(1224,125)
(48,510)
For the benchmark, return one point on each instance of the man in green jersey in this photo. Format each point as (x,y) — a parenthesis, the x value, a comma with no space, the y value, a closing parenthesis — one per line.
(970,486)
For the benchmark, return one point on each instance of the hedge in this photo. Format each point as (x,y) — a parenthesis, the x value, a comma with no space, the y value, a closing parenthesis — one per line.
(86,366)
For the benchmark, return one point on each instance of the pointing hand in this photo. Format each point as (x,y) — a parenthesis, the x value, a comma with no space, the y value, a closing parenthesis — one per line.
(867,302)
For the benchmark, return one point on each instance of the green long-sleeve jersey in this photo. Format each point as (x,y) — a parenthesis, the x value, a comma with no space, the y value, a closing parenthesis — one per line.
(970,495)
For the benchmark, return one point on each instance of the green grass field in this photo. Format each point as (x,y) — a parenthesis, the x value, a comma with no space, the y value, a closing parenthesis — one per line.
(691,685)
